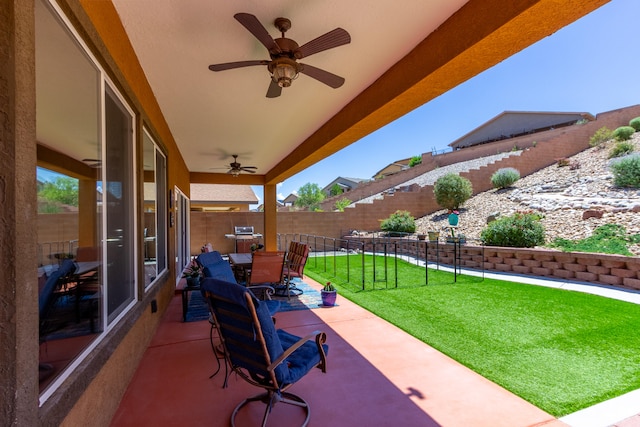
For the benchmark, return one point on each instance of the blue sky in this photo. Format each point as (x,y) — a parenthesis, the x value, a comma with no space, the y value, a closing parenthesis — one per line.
(591,65)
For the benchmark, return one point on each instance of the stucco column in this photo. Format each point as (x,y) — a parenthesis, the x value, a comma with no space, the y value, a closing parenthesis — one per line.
(18,222)
(270,218)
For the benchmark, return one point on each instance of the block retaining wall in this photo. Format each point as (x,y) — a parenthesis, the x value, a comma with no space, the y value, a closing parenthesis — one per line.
(601,269)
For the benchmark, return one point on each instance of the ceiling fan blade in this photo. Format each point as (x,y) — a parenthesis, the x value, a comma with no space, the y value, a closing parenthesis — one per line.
(247,170)
(322,76)
(239,64)
(334,38)
(274,90)
(251,23)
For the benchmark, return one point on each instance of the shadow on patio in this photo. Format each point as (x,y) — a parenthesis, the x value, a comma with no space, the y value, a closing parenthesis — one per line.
(377,375)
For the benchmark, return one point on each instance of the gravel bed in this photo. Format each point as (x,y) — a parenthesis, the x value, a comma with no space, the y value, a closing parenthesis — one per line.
(561,194)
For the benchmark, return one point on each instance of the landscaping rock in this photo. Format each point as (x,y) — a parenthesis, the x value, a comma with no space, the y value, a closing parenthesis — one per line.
(567,195)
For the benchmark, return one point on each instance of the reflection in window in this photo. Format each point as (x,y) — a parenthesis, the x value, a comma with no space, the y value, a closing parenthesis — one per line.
(68,93)
(182,230)
(119,207)
(86,185)
(155,200)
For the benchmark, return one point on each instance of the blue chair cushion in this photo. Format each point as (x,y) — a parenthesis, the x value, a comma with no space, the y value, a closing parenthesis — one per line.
(272,340)
(46,294)
(207,258)
(220,270)
(303,359)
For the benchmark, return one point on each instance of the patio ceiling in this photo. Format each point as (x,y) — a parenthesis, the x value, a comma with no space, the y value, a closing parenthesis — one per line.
(401,55)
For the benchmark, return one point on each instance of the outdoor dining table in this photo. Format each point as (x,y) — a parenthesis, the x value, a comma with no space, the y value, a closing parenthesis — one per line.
(240,262)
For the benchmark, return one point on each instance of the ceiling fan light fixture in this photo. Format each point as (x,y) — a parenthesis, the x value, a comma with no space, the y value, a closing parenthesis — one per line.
(284,71)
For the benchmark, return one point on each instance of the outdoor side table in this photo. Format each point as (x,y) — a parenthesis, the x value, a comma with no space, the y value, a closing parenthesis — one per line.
(185,299)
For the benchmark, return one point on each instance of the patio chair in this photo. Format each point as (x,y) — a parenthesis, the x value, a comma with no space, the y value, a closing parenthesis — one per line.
(263,356)
(266,269)
(294,268)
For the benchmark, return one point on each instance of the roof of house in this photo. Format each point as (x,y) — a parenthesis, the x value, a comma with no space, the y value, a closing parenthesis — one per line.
(509,124)
(393,167)
(344,182)
(291,198)
(223,193)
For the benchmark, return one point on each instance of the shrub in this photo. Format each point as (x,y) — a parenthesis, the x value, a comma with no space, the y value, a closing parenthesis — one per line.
(622,148)
(399,222)
(452,190)
(341,204)
(563,162)
(520,230)
(623,133)
(607,239)
(635,123)
(415,160)
(626,171)
(601,136)
(505,177)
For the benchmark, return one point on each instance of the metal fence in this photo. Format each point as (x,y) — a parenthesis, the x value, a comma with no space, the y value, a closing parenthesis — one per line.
(54,252)
(373,265)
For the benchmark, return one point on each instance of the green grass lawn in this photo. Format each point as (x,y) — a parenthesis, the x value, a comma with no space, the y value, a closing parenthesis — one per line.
(560,350)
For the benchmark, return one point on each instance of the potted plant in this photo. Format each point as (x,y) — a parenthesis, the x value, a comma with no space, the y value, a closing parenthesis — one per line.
(328,295)
(192,273)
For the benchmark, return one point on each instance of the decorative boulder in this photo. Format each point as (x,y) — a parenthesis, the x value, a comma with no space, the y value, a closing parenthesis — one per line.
(592,214)
(492,217)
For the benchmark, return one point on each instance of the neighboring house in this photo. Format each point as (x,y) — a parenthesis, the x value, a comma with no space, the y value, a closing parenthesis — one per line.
(260,207)
(510,124)
(290,200)
(222,197)
(346,184)
(391,168)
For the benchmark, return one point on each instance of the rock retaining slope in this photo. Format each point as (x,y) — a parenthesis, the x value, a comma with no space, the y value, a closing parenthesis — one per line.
(573,199)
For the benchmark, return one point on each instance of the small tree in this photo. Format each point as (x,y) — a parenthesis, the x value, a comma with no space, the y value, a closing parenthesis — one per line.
(63,190)
(342,203)
(309,197)
(452,190)
(336,190)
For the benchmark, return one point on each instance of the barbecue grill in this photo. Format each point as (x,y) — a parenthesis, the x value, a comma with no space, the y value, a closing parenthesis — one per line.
(245,236)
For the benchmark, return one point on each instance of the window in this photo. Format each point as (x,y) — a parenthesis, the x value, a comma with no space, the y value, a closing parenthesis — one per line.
(183,254)
(155,208)
(86,147)
(118,205)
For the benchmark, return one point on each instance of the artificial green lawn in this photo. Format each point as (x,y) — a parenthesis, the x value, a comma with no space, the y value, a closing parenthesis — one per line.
(560,350)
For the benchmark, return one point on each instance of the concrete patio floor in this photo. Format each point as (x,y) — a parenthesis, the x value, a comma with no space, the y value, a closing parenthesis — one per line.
(377,376)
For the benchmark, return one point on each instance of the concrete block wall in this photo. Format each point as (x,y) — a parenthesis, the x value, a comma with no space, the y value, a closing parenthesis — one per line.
(540,150)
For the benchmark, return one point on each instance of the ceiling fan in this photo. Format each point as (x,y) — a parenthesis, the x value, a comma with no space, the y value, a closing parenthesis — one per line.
(93,163)
(236,168)
(285,53)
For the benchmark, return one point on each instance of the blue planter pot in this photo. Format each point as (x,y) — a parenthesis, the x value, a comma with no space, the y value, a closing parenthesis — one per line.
(193,282)
(453,219)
